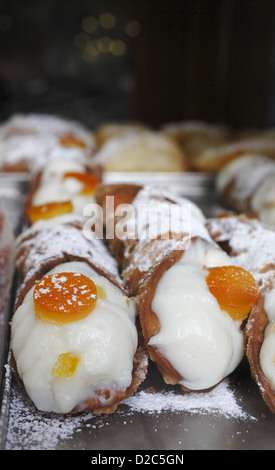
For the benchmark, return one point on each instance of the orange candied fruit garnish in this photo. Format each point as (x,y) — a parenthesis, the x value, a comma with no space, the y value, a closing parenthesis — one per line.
(65,365)
(49,210)
(88,180)
(235,290)
(64,297)
(72,141)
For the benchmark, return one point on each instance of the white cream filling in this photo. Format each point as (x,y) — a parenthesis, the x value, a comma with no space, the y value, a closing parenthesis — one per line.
(267,352)
(68,189)
(201,341)
(105,342)
(56,169)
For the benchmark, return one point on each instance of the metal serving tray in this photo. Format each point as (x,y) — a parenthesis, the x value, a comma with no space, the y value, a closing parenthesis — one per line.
(158,417)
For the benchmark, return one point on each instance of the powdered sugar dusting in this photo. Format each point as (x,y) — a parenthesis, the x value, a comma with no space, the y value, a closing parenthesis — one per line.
(29,429)
(59,243)
(221,400)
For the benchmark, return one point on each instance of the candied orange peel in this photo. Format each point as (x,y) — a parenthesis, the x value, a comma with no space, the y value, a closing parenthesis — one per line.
(64,297)
(49,210)
(235,290)
(65,365)
(72,141)
(89,181)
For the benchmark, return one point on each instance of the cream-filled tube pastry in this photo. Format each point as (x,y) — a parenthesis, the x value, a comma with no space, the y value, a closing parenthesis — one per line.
(47,124)
(192,312)
(74,342)
(141,151)
(28,142)
(196,137)
(30,153)
(190,298)
(212,160)
(251,245)
(247,184)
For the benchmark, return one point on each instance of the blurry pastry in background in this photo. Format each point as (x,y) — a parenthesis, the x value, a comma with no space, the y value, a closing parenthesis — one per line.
(69,132)
(213,159)
(247,184)
(28,142)
(109,130)
(194,137)
(145,151)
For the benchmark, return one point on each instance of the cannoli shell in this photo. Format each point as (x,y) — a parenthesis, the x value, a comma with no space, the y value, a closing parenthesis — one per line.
(40,252)
(254,336)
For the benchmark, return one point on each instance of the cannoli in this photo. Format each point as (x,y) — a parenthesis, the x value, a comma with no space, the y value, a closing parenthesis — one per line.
(212,160)
(27,143)
(110,130)
(195,137)
(251,245)
(61,188)
(247,184)
(75,338)
(141,151)
(192,299)
(69,132)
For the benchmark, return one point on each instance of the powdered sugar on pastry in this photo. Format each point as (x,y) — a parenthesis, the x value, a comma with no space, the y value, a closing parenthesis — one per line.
(35,151)
(45,124)
(59,244)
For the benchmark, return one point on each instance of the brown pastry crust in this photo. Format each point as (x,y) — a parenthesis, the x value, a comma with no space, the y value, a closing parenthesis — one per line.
(149,320)
(254,336)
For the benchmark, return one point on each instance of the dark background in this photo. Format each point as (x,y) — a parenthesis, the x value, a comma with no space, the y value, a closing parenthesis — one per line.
(154,61)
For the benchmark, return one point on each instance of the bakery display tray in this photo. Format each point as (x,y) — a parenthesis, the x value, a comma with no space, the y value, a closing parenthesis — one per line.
(158,417)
